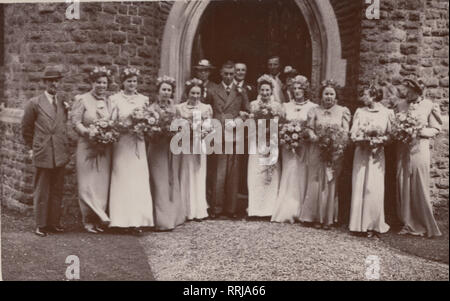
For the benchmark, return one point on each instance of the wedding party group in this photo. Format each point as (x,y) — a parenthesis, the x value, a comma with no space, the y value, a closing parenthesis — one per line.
(129,179)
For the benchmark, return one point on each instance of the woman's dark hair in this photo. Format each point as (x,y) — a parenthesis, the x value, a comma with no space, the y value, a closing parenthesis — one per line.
(265,80)
(330,84)
(376,93)
(195,82)
(95,75)
(159,83)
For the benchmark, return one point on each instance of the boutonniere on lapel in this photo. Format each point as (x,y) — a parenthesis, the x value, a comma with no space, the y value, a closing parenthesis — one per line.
(66,105)
(249,87)
(239,89)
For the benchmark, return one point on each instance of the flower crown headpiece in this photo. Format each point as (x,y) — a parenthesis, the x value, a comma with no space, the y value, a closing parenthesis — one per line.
(131,72)
(300,79)
(330,83)
(100,70)
(266,78)
(165,79)
(194,82)
(289,70)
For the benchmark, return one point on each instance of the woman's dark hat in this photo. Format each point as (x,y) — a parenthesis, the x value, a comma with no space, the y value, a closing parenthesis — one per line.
(417,86)
(52,72)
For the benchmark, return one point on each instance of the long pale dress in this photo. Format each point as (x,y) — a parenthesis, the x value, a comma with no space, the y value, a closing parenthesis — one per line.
(192,173)
(263,180)
(169,210)
(93,174)
(413,173)
(321,200)
(130,196)
(294,170)
(367,206)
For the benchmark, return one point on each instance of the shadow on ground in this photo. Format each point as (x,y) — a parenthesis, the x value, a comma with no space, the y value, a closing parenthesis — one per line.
(26,256)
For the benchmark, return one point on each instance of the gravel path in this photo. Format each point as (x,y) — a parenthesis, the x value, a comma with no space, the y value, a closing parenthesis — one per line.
(240,250)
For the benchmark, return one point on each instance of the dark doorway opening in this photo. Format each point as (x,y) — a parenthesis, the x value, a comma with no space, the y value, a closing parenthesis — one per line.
(251,30)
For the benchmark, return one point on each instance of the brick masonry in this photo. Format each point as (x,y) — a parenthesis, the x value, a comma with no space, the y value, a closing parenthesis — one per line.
(410,39)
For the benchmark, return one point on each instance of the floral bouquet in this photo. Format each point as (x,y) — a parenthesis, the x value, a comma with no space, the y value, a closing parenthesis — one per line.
(102,134)
(163,123)
(292,133)
(370,136)
(406,128)
(332,141)
(142,122)
(245,115)
(267,112)
(204,128)
(200,129)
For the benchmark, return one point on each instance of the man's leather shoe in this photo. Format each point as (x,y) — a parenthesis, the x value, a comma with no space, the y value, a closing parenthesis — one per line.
(56,229)
(40,232)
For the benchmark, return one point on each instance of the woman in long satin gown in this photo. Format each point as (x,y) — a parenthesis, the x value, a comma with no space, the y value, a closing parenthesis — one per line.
(294,168)
(321,201)
(192,173)
(131,204)
(93,174)
(169,210)
(413,167)
(367,205)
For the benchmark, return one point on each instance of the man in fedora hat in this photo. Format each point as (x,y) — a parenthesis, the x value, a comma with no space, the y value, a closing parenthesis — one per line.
(44,132)
(202,72)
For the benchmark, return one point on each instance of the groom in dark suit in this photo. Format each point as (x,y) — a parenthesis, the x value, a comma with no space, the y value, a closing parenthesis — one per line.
(227,101)
(44,132)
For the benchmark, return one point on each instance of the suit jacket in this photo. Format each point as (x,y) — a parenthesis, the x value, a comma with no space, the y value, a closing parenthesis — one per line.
(228,106)
(45,131)
(208,88)
(251,91)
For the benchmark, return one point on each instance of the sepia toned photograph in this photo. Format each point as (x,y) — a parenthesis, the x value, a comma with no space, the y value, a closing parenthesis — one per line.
(224,140)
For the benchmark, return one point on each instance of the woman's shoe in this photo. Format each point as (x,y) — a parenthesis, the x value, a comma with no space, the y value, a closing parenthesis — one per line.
(403,232)
(326,227)
(369,234)
(91,230)
(99,229)
(318,226)
(137,231)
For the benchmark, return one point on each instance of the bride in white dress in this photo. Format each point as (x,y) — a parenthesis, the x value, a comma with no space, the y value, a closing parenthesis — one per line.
(263,180)
(130,204)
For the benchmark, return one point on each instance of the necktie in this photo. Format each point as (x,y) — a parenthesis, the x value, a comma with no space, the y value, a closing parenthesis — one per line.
(228,90)
(53,98)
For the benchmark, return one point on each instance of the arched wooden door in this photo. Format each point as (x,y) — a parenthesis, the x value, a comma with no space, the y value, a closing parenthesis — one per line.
(250,31)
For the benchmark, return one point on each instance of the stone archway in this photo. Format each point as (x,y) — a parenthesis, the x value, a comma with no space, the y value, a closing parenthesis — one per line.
(184,18)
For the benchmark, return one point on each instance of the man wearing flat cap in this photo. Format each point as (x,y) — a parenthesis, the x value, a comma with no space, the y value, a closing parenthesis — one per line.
(45,134)
(203,71)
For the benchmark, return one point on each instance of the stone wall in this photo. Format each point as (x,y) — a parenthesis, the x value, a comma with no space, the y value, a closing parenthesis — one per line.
(111,34)
(411,40)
